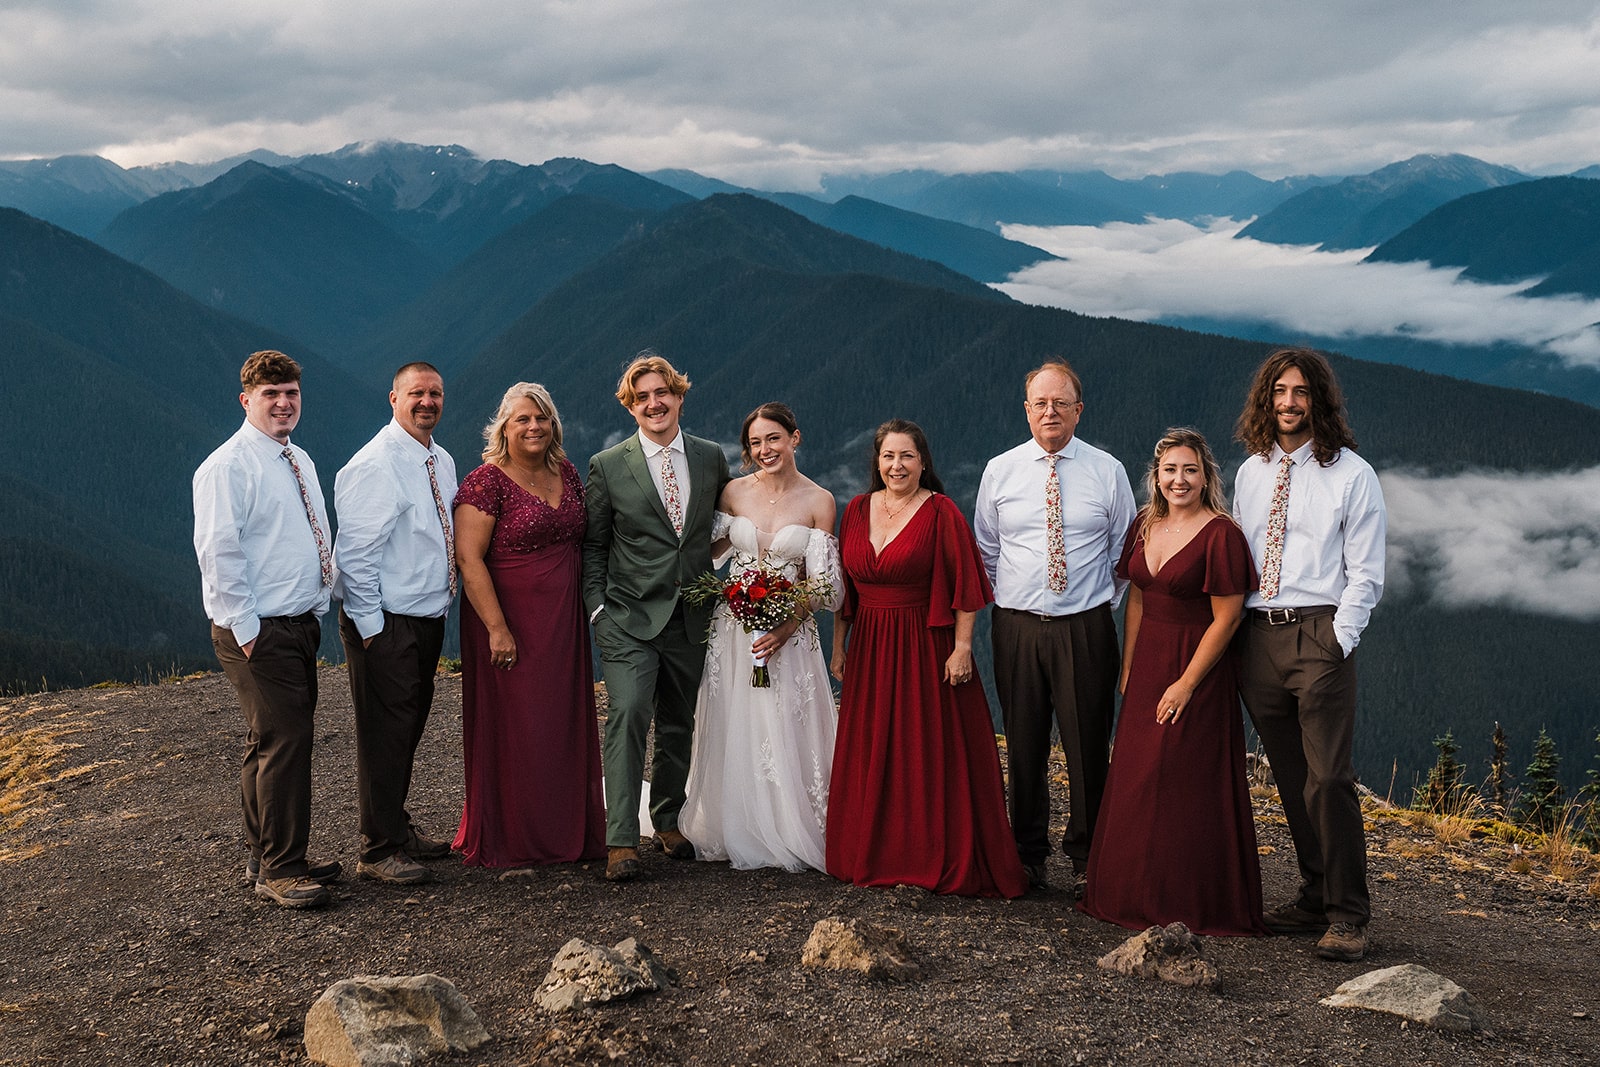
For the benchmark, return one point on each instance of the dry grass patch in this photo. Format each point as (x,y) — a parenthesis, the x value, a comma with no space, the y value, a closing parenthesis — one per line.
(31,755)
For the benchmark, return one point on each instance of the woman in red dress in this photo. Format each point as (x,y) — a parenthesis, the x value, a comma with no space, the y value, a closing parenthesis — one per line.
(916,795)
(1175,840)
(530,739)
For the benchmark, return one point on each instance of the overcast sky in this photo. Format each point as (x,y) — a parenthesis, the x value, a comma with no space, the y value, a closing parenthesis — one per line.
(777,94)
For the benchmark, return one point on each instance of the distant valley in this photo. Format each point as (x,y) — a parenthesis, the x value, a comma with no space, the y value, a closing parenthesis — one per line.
(122,354)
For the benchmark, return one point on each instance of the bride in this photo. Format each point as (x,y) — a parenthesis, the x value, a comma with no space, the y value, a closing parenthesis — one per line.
(758,773)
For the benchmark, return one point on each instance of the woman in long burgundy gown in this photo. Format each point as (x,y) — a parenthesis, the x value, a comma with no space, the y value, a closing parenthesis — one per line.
(916,796)
(530,738)
(1175,840)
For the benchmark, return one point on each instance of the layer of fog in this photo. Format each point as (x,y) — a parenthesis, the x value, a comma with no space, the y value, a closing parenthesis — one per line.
(1167,269)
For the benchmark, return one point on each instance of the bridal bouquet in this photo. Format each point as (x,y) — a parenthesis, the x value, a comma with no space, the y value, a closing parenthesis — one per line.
(761,599)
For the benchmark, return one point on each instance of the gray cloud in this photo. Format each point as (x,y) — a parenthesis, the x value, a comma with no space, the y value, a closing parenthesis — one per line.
(1530,542)
(1170,269)
(778,94)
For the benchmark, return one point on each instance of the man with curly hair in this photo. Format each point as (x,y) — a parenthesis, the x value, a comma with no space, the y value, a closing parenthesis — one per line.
(1314,515)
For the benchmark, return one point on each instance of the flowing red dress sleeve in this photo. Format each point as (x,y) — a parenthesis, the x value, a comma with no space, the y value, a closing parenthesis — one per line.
(959,580)
(1129,543)
(1229,568)
(851,526)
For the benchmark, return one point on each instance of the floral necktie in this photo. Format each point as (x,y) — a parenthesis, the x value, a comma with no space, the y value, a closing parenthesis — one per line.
(444,521)
(669,490)
(1055,532)
(1277,519)
(323,555)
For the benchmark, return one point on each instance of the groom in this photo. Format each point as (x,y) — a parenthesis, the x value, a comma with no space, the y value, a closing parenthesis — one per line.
(650,501)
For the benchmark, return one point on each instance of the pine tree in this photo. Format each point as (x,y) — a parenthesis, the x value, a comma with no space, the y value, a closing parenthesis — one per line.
(1589,800)
(1444,787)
(1544,797)
(1499,772)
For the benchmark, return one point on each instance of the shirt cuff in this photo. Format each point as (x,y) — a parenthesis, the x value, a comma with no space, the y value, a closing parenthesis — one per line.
(595,614)
(368,626)
(247,631)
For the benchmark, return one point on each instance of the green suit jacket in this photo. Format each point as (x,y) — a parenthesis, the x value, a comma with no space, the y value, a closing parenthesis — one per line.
(632,561)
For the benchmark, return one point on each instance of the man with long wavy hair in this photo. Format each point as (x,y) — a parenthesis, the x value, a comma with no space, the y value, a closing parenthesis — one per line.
(1313,512)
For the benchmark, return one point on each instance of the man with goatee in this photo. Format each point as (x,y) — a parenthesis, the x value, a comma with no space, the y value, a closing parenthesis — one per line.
(1050,519)
(1313,512)
(397,577)
(266,575)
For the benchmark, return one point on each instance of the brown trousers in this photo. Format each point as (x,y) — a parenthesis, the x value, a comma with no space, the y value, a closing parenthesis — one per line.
(391,686)
(1063,671)
(277,688)
(1300,690)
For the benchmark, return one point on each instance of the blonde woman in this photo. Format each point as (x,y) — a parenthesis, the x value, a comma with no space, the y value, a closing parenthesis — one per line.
(530,739)
(1175,841)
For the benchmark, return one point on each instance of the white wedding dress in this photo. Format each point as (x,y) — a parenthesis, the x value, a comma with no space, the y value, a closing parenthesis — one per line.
(759,769)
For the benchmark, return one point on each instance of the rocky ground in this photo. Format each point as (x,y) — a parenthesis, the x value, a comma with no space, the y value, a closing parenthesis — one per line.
(128,937)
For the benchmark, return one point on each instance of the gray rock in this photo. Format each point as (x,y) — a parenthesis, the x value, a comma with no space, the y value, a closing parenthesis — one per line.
(1411,992)
(370,1021)
(583,974)
(854,945)
(1170,953)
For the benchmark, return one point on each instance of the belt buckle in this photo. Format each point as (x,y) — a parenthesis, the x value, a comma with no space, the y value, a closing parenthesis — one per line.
(1282,616)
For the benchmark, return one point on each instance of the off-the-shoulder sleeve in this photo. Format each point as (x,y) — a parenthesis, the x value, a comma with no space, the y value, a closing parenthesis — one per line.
(1229,568)
(822,561)
(959,582)
(484,489)
(721,524)
(1129,543)
(851,527)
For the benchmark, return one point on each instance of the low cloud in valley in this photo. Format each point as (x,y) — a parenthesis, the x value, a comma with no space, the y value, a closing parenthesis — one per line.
(1524,541)
(1167,269)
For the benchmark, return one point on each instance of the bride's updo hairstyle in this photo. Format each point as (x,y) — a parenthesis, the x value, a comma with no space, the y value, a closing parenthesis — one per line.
(929,480)
(773,411)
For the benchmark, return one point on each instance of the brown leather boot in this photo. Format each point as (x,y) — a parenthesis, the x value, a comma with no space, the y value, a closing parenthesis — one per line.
(622,864)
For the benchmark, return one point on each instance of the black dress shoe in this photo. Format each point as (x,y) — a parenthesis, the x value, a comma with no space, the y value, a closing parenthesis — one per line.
(1037,878)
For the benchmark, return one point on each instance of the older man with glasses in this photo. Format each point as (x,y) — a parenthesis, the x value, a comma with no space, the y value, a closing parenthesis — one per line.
(1051,517)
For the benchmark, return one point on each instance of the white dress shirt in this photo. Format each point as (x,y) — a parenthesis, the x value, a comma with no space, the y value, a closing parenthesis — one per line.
(1333,541)
(391,553)
(1096,510)
(680,467)
(258,558)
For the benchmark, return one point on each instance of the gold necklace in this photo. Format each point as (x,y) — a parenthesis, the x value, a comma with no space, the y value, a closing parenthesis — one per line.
(762,481)
(907,504)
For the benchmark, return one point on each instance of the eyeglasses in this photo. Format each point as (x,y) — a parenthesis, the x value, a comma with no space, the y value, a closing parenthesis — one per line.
(1039,407)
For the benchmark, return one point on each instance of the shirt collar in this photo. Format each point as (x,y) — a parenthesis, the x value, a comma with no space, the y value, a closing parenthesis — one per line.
(261,440)
(409,446)
(651,448)
(1066,451)
(1300,455)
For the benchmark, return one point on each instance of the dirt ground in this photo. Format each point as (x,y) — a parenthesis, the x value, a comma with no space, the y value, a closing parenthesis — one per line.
(127,935)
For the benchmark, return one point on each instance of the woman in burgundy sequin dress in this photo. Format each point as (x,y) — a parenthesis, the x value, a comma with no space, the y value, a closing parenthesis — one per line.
(1175,839)
(916,796)
(531,742)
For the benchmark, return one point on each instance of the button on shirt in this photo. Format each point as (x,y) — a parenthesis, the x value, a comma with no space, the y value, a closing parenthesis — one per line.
(680,467)
(390,553)
(1333,542)
(1009,521)
(258,558)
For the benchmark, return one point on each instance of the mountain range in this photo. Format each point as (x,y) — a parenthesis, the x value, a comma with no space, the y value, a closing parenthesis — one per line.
(124,381)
